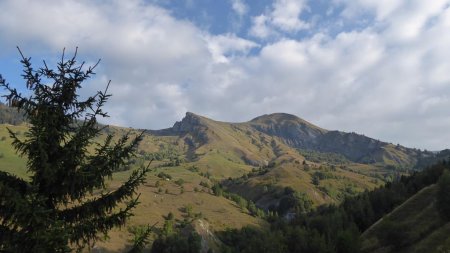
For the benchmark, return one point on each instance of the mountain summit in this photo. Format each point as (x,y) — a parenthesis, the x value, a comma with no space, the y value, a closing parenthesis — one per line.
(293,132)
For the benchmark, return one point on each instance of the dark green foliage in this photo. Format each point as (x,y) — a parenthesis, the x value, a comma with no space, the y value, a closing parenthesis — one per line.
(427,158)
(140,237)
(177,243)
(334,228)
(57,209)
(348,241)
(323,175)
(165,152)
(443,196)
(320,157)
(252,240)
(204,184)
(240,201)
(179,181)
(394,234)
(294,201)
(193,169)
(315,180)
(174,238)
(217,190)
(254,173)
(164,176)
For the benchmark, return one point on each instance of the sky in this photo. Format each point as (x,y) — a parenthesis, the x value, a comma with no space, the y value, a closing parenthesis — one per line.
(376,67)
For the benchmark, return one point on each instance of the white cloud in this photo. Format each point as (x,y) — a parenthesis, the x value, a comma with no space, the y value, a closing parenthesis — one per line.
(284,16)
(388,80)
(142,47)
(225,46)
(260,27)
(380,8)
(239,7)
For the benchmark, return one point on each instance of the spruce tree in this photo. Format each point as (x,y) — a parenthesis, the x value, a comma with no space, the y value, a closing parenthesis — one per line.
(65,204)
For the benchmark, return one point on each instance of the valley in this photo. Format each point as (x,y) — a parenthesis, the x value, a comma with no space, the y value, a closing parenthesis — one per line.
(231,175)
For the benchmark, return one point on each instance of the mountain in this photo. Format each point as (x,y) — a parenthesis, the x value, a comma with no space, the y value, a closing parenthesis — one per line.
(296,133)
(301,134)
(260,158)
(266,160)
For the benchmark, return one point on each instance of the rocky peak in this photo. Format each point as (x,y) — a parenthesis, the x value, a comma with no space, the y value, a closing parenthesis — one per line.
(193,128)
(189,123)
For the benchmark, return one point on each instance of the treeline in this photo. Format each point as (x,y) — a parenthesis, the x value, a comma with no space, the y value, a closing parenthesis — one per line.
(331,228)
(427,158)
(10,115)
(241,202)
(320,157)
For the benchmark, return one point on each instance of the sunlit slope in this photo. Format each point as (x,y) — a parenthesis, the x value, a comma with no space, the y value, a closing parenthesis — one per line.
(9,160)
(263,156)
(188,185)
(298,133)
(159,197)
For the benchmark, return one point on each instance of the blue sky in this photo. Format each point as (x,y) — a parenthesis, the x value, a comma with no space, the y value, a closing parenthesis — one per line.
(377,67)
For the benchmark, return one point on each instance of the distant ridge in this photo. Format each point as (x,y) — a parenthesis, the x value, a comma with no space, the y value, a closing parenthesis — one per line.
(301,134)
(289,129)
(10,115)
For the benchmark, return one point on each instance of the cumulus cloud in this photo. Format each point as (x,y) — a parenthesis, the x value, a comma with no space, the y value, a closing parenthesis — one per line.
(284,15)
(142,47)
(388,79)
(260,26)
(222,47)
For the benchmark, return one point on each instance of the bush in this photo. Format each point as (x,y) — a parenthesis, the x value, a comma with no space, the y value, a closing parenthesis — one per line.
(164,176)
(204,184)
(179,182)
(177,243)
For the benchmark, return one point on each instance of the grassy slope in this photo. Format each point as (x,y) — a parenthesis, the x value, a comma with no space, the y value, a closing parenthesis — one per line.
(420,222)
(231,147)
(299,177)
(10,161)
(219,212)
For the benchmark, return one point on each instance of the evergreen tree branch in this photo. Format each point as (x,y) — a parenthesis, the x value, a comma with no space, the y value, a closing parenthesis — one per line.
(142,239)
(107,202)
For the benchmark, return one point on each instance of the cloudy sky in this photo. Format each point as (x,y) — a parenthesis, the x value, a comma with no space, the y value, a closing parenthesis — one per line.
(376,67)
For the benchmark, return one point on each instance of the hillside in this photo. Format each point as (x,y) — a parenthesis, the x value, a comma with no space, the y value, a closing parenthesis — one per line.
(271,152)
(298,133)
(414,226)
(265,160)
(260,158)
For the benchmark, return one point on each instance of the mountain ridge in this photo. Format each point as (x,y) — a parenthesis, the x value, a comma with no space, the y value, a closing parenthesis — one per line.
(272,162)
(298,133)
